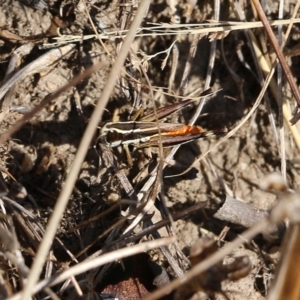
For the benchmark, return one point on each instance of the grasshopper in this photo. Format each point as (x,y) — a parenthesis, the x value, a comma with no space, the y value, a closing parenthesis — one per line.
(145,133)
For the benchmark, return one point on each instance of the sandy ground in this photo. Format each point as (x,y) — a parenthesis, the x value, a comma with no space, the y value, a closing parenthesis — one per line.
(40,154)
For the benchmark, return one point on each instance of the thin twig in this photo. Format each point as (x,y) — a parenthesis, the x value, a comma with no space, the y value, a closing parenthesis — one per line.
(279,53)
(38,65)
(97,262)
(280,100)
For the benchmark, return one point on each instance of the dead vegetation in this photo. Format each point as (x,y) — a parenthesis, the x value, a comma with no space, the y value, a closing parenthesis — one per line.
(176,213)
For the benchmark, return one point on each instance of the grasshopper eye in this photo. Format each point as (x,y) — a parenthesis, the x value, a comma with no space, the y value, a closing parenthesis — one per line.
(113,138)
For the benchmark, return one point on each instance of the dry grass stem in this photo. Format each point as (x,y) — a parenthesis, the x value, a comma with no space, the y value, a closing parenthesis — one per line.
(173,29)
(85,142)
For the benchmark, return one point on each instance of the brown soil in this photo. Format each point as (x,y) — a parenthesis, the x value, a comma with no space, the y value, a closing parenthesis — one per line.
(40,154)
